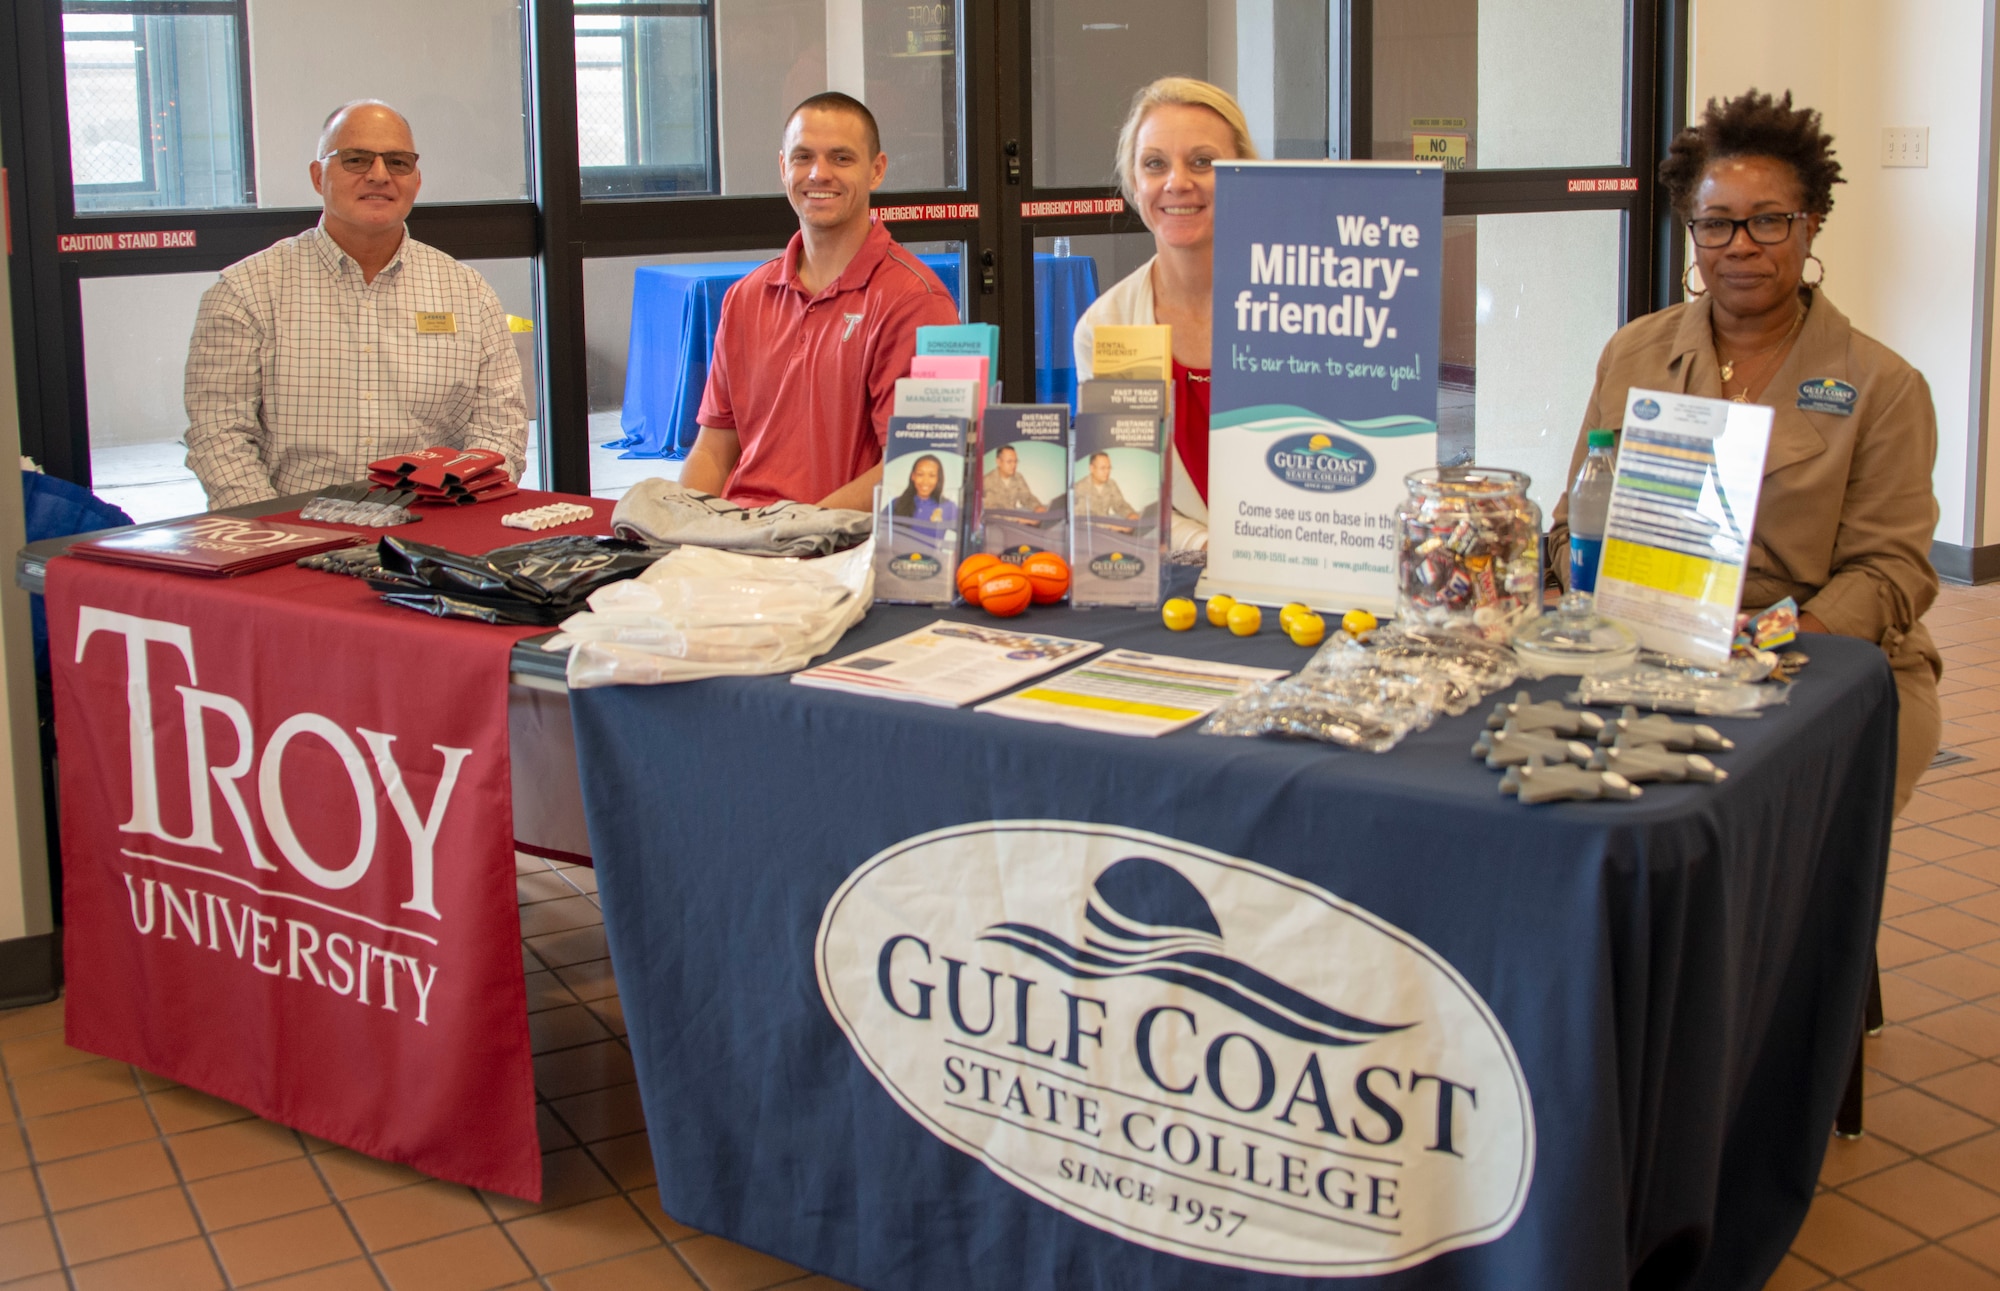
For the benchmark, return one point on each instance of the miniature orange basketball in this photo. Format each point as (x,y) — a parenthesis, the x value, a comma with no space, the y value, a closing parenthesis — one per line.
(971,570)
(1005,593)
(1048,576)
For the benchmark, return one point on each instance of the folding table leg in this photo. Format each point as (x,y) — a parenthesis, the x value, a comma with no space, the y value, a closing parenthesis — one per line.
(1847,1122)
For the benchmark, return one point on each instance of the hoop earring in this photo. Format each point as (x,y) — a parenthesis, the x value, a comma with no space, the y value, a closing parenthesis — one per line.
(1813,259)
(1688,287)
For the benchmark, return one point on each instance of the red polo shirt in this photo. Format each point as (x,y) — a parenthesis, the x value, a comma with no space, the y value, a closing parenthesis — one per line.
(808,382)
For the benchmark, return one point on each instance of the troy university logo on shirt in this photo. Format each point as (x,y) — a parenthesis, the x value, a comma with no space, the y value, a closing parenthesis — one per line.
(1190,1051)
(355,938)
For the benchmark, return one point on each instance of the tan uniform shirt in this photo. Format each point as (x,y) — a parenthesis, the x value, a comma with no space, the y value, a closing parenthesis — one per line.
(1845,520)
(1009,492)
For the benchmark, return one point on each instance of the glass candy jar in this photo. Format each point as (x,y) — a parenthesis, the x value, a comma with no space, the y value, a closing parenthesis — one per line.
(1469,545)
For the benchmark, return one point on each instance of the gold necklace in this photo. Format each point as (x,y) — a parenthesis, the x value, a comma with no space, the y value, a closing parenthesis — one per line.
(1729,365)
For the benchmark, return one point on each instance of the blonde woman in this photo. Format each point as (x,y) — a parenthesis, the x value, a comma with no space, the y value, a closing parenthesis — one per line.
(1177,130)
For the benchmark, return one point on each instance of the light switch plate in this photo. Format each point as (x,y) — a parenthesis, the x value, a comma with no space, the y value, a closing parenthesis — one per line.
(1906,146)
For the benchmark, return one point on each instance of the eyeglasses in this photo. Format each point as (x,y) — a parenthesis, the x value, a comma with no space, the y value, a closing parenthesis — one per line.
(359,161)
(1767,229)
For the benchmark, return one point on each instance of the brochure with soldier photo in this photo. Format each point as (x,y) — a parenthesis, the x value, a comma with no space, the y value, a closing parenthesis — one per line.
(918,519)
(1023,481)
(1119,502)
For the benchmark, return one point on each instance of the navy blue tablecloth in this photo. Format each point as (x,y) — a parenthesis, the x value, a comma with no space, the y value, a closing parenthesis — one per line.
(1680,977)
(675,310)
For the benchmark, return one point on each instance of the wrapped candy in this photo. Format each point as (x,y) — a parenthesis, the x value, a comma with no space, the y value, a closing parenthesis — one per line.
(1470,550)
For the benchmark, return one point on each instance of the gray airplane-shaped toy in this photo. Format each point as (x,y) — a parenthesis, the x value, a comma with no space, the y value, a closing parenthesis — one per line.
(1638,762)
(1511,747)
(1537,782)
(1549,717)
(1658,728)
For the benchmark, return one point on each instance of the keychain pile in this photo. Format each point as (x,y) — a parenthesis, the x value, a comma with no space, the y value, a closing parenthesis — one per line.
(362,560)
(1550,753)
(362,504)
(1369,692)
(1742,688)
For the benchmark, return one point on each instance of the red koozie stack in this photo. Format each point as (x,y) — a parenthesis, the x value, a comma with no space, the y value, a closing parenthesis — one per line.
(448,476)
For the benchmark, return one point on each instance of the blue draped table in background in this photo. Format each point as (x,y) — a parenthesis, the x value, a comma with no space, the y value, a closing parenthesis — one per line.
(1065,286)
(675,309)
(1681,978)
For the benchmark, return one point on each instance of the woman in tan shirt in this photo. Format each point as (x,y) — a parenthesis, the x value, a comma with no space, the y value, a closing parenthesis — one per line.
(1845,520)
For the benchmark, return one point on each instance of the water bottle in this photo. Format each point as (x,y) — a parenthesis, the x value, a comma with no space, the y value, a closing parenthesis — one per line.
(1589,501)
(1062,246)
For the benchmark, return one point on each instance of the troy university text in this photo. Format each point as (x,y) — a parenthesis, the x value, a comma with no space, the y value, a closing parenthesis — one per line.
(340,938)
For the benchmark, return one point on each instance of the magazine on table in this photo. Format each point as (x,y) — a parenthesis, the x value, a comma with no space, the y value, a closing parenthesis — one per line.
(1130,692)
(216,546)
(947,664)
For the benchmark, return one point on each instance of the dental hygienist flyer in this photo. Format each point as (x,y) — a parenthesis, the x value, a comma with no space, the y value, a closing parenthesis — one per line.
(1324,394)
(1683,502)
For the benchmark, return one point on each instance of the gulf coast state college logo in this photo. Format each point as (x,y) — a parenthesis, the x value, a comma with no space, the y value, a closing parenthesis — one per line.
(1186,1050)
(1321,463)
(914,566)
(1118,565)
(1827,394)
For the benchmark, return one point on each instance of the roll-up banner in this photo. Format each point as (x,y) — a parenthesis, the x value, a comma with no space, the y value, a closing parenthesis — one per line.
(1327,281)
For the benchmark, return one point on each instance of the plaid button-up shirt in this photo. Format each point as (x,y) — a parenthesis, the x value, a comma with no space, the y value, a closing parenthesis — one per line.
(300,373)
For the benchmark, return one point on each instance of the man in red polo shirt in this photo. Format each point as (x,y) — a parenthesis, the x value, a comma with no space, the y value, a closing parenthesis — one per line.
(810,345)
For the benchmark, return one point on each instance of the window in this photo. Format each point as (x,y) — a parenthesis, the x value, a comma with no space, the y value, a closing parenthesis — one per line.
(1470,83)
(156,93)
(643,103)
(1278,58)
(691,98)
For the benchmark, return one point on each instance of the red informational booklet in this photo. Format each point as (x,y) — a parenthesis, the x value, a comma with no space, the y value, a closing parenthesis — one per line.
(212,545)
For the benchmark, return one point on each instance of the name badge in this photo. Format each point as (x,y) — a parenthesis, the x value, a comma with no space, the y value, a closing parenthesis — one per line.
(432,324)
(1824,394)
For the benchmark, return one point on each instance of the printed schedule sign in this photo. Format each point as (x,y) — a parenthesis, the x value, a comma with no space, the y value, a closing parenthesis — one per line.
(1678,535)
(1327,278)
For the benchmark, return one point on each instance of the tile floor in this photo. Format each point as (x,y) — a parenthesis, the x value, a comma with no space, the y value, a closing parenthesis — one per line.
(112,1178)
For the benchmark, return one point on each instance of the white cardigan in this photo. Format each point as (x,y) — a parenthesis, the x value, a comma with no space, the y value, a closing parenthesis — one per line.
(1129,303)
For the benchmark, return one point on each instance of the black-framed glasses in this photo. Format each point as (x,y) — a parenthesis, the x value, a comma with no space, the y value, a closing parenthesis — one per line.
(1767,229)
(359,161)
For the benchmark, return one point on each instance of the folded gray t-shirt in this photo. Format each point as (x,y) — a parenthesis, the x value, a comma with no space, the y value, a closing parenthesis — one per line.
(664,514)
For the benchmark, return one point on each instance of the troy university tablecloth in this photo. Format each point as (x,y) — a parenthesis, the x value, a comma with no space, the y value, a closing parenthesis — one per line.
(926,999)
(287,852)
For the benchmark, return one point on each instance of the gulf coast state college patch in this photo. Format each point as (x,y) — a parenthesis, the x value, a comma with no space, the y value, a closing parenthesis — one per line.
(1187,1050)
(1825,394)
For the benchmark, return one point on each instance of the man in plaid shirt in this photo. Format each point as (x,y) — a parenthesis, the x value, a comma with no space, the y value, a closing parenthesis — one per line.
(350,342)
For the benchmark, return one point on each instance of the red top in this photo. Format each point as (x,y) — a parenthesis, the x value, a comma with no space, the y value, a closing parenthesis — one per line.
(808,382)
(1191,423)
